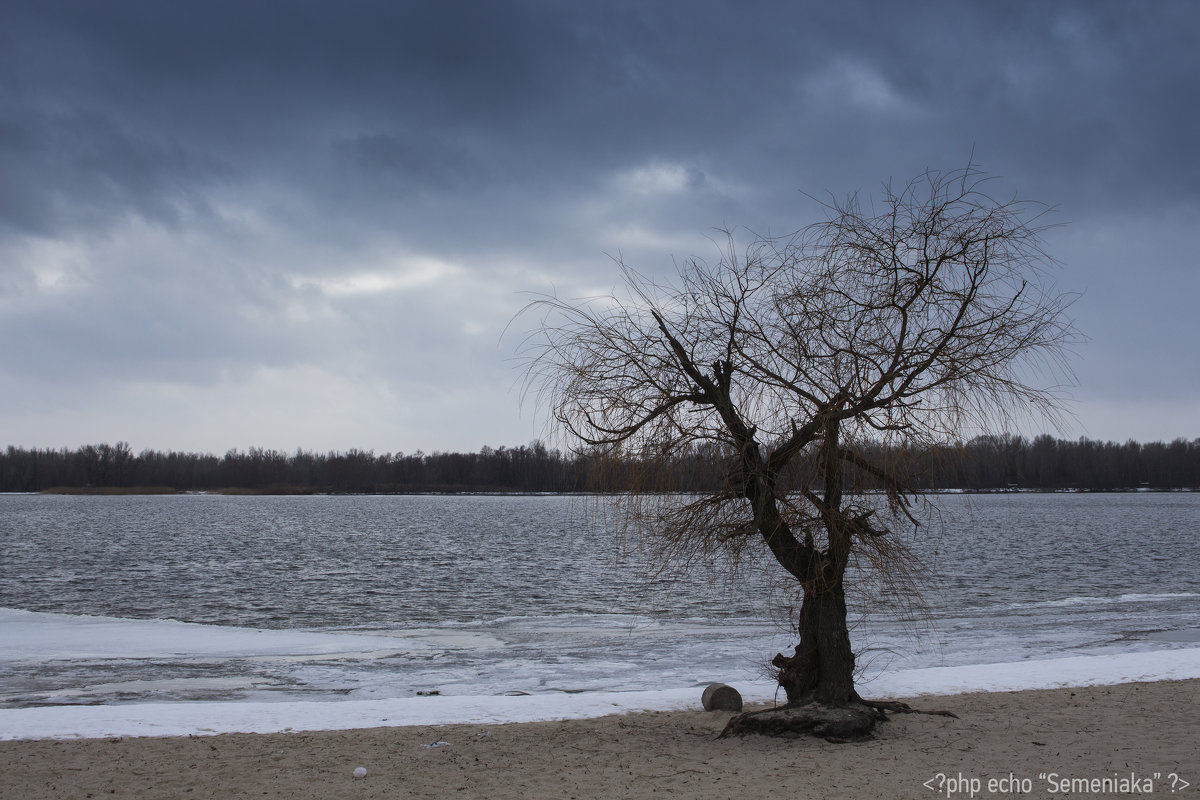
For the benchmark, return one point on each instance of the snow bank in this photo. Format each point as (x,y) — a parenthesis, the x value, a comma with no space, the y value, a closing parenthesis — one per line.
(39,636)
(200,718)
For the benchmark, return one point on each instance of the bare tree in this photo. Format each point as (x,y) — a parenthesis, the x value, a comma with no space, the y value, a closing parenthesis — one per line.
(923,320)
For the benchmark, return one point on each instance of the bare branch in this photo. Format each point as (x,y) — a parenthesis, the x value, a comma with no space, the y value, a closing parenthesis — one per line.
(932,317)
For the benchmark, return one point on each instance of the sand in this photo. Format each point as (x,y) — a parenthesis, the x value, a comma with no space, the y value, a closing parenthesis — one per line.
(1134,731)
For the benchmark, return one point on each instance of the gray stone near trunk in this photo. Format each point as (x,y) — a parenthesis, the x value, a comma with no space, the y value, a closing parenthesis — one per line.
(719,697)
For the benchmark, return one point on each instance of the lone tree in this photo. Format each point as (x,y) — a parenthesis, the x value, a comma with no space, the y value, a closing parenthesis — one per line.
(802,361)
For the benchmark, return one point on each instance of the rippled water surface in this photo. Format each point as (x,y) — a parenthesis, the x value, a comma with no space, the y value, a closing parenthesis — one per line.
(325,561)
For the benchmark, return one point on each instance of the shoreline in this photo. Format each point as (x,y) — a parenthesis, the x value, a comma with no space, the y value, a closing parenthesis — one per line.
(1084,734)
(213,717)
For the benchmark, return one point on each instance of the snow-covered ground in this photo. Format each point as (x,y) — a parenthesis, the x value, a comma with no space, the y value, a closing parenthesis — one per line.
(32,639)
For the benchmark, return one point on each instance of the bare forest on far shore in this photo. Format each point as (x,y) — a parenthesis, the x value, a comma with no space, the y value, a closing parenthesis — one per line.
(991,463)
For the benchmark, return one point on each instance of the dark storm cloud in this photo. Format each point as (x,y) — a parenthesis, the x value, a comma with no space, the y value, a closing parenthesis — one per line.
(78,170)
(550,93)
(255,183)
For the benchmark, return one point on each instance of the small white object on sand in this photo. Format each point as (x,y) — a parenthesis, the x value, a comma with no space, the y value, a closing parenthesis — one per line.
(360,772)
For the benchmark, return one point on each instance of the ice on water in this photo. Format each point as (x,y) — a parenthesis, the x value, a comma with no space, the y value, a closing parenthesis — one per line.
(29,637)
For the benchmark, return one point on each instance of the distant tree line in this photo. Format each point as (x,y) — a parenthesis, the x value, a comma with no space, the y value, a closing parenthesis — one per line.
(1046,463)
(983,464)
(531,468)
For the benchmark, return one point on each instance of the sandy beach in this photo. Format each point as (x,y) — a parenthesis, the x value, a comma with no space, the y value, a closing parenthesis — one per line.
(1012,743)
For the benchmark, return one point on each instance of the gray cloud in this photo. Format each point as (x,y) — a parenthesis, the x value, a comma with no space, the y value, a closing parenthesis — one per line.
(216,195)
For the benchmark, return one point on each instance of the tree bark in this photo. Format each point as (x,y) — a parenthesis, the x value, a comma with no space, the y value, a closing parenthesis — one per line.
(818,678)
(822,667)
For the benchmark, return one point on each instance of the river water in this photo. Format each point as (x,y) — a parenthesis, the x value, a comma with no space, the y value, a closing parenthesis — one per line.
(327,597)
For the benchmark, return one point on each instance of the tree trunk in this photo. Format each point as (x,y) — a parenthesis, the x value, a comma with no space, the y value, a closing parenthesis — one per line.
(818,679)
(822,668)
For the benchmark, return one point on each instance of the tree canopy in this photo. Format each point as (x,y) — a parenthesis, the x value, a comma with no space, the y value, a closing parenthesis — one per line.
(910,321)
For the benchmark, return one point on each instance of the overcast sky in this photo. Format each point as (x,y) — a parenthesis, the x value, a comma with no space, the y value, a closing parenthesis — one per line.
(304,224)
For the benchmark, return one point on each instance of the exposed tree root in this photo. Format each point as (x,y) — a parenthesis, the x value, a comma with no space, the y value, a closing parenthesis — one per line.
(896,707)
(833,723)
(848,723)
